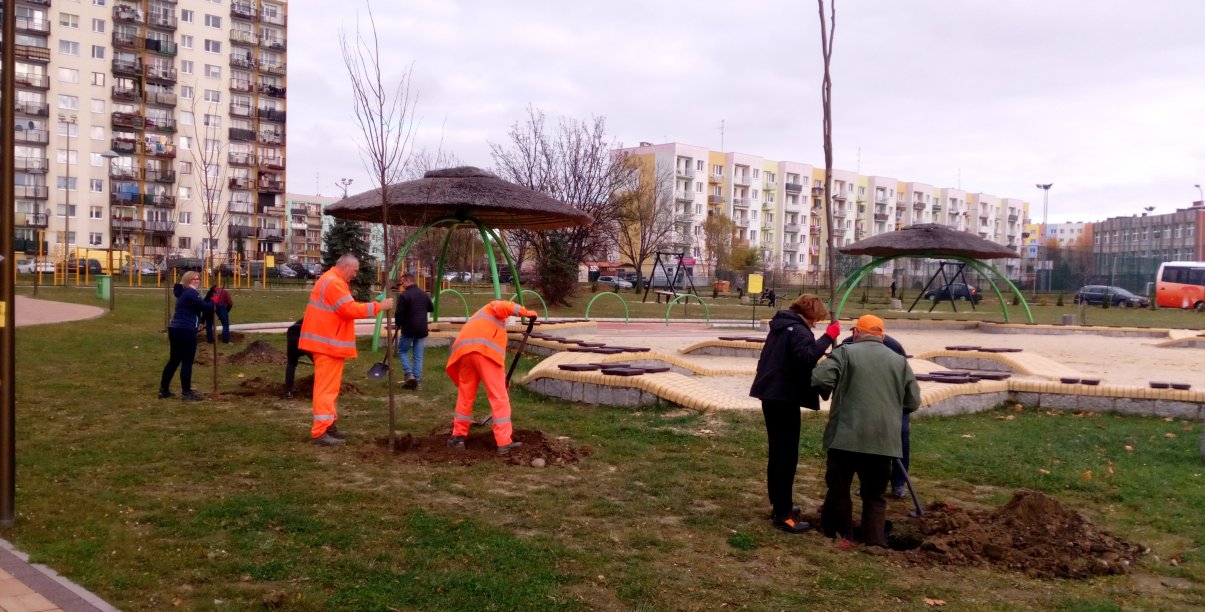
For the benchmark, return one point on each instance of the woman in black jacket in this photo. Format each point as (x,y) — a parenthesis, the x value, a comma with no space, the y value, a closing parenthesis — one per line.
(182,336)
(783,384)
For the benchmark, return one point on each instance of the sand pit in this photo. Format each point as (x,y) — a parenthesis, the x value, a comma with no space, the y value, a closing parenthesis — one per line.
(539,449)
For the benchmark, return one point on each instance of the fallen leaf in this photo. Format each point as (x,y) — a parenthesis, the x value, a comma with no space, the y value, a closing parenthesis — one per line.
(934,602)
(1129,449)
(1019,408)
(1109,468)
(1086,475)
(1169,435)
(1044,470)
(968,436)
(1169,419)
(240,374)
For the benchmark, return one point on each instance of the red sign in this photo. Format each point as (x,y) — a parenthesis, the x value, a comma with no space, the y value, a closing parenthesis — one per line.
(688,261)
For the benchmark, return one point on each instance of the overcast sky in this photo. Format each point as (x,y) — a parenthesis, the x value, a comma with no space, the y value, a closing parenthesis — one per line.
(1103,98)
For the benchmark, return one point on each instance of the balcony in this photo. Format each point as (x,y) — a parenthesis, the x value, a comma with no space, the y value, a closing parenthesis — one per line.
(814,229)
(683,196)
(715,178)
(123,174)
(241,134)
(126,39)
(937,207)
(238,60)
(741,222)
(161,98)
(161,176)
(245,183)
(270,114)
(125,224)
(32,219)
(274,19)
(29,247)
(793,187)
(918,205)
(270,234)
(127,94)
(243,11)
(238,232)
(161,73)
(160,227)
(32,81)
(272,162)
(241,86)
(273,67)
(740,202)
(32,136)
(241,110)
(33,53)
(243,38)
(839,213)
(163,21)
(1013,218)
(160,200)
(715,199)
(239,207)
(742,180)
(839,195)
(33,109)
(161,150)
(240,159)
(162,47)
(684,172)
(127,67)
(790,247)
(161,124)
(128,120)
(37,192)
(271,185)
(838,231)
(276,44)
(126,14)
(33,165)
(272,91)
(270,138)
(792,228)
(29,25)
(881,216)
(769,185)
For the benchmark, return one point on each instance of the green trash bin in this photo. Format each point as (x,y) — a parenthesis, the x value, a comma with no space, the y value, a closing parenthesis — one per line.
(103,286)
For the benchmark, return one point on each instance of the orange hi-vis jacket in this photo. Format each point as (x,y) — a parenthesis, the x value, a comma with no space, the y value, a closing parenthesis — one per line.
(485,333)
(329,326)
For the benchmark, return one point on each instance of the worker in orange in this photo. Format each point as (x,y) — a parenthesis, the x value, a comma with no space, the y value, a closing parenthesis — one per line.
(328,333)
(478,355)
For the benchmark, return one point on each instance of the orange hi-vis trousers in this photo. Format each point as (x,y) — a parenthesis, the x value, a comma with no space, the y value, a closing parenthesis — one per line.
(475,368)
(328,377)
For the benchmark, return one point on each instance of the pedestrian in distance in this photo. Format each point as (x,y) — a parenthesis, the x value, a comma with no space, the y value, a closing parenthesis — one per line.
(893,288)
(413,304)
(782,383)
(478,356)
(771,298)
(182,336)
(223,304)
(872,387)
(328,333)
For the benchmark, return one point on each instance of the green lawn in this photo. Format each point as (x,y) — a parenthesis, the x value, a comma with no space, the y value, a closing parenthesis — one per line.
(223,504)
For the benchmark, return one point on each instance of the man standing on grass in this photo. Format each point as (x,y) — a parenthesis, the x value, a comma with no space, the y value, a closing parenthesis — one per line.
(328,333)
(413,304)
(870,383)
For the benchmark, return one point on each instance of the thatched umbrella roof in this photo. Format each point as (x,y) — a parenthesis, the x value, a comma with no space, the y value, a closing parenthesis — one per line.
(929,240)
(464,192)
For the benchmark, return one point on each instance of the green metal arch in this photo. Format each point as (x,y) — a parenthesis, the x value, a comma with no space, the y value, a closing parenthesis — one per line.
(626,319)
(851,282)
(529,291)
(462,300)
(706,309)
(397,263)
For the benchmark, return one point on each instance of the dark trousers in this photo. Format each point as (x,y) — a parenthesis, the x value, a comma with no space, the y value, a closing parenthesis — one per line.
(224,317)
(782,433)
(294,355)
(897,477)
(183,350)
(873,471)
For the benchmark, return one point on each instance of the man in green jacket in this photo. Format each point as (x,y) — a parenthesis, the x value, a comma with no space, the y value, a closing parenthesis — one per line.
(869,383)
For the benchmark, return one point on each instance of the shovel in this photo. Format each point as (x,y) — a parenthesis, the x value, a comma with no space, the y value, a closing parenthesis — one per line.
(899,464)
(381,368)
(531,323)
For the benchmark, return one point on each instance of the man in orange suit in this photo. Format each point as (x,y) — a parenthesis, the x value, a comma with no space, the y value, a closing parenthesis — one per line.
(478,355)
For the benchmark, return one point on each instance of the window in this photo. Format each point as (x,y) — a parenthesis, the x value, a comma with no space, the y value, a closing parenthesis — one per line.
(213,95)
(185,242)
(98,78)
(186,41)
(67,183)
(186,92)
(185,193)
(185,167)
(96,212)
(68,102)
(98,132)
(186,66)
(98,106)
(63,158)
(97,160)
(68,47)
(212,71)
(213,46)
(94,238)
(185,117)
(185,218)
(68,75)
(98,25)
(98,2)
(717,170)
(186,15)
(213,121)
(98,52)
(96,186)
(67,129)
(213,21)
(67,20)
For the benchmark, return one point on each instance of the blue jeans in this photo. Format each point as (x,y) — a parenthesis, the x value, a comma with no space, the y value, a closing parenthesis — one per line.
(404,346)
(897,477)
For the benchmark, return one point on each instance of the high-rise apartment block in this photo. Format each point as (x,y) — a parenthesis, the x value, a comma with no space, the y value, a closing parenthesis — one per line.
(152,126)
(777,206)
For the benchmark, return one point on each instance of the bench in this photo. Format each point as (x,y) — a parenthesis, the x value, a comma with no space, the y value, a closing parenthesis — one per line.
(669,296)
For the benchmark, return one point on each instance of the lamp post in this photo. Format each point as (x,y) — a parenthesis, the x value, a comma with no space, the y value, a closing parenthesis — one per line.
(1042,253)
(70,122)
(111,155)
(1200,193)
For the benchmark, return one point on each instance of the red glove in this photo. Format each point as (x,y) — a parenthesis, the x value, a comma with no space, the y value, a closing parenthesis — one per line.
(834,330)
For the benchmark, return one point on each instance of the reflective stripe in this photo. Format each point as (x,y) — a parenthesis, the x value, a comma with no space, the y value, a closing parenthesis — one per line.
(321,306)
(343,300)
(502,420)
(517,309)
(461,417)
(324,417)
(489,318)
(330,341)
(468,341)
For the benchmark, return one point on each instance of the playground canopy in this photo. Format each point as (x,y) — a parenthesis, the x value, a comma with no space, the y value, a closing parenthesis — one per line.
(929,240)
(461,194)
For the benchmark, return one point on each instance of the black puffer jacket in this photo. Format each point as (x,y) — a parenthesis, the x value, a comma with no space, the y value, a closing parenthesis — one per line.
(413,304)
(784,371)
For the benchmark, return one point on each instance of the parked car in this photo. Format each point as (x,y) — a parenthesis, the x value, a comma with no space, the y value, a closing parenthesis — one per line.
(180,265)
(144,268)
(1117,296)
(314,268)
(228,269)
(956,291)
(301,270)
(614,282)
(460,277)
(32,264)
(284,271)
(80,266)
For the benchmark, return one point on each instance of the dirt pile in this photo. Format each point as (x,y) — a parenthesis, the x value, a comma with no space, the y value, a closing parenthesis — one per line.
(538,448)
(1032,534)
(258,352)
(303,388)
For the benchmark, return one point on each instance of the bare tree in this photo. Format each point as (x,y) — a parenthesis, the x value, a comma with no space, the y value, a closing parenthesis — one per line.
(573,163)
(648,217)
(827,30)
(718,230)
(385,116)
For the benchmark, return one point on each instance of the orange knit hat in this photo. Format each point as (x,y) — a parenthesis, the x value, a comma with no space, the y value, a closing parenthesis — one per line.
(870,324)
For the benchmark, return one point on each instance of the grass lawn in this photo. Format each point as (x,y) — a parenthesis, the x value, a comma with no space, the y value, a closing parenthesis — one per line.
(224,504)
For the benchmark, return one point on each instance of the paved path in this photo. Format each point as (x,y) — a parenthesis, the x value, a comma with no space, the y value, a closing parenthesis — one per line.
(25,586)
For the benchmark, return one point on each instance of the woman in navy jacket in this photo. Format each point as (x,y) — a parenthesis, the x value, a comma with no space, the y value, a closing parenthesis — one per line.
(182,336)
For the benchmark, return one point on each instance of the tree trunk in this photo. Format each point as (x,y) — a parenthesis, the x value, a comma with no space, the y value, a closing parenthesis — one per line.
(826,93)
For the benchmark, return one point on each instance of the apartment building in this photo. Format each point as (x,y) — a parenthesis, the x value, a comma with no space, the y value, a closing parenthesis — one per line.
(303,241)
(777,206)
(152,126)
(1128,250)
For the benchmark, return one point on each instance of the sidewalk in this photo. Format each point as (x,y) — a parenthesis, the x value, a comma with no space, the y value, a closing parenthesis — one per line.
(26,587)
(30,311)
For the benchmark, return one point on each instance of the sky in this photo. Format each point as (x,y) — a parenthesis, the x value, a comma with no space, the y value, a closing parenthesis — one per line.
(1105,99)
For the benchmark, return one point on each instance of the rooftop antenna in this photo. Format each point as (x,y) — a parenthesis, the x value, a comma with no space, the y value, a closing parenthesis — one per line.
(721,135)
(859,169)
(960,179)
(317,181)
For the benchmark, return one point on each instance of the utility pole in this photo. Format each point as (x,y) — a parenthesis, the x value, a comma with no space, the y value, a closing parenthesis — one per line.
(70,122)
(1042,249)
(343,184)
(8,272)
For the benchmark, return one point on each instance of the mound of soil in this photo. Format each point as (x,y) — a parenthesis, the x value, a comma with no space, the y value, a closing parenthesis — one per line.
(258,352)
(1032,534)
(537,447)
(303,388)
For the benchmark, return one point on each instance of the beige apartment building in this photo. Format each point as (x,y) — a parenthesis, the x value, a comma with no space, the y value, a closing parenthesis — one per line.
(778,207)
(152,126)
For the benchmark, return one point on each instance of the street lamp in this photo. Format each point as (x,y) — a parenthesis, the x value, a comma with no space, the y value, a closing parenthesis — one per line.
(1200,193)
(1042,235)
(69,121)
(111,155)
